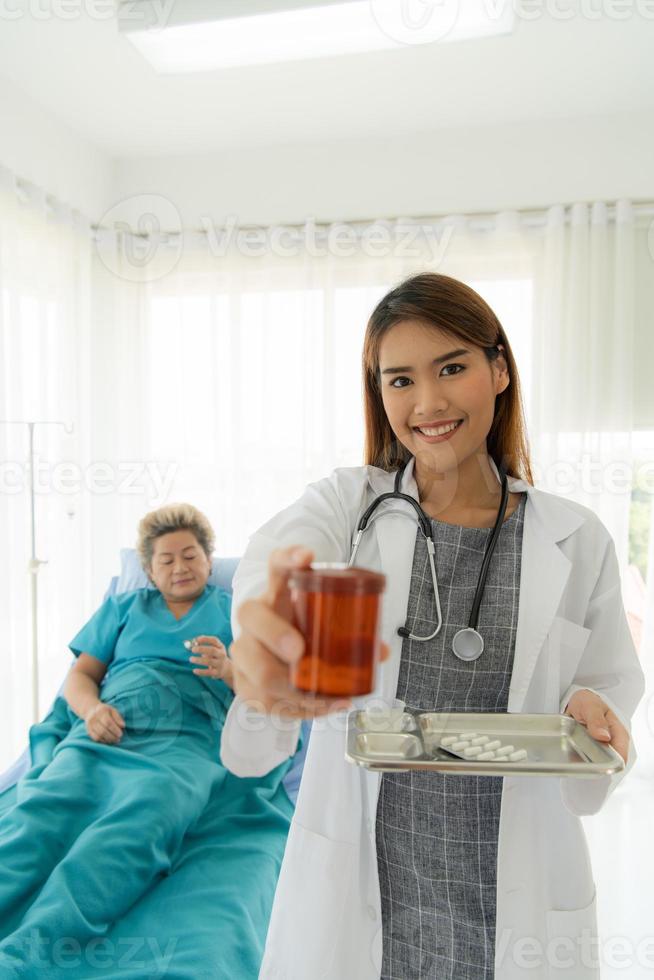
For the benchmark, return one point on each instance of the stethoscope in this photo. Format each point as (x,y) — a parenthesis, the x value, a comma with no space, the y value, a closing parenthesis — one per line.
(467,643)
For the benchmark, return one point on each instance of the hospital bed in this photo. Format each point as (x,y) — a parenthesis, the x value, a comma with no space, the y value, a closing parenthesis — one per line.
(133,577)
(164,857)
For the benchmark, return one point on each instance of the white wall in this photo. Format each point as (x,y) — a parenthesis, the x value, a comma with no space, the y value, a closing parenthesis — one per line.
(38,147)
(521,165)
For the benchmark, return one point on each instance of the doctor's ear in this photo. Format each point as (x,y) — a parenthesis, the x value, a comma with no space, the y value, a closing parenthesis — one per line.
(500,369)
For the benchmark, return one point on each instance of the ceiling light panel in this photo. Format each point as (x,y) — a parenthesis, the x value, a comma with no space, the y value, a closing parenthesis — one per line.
(197,36)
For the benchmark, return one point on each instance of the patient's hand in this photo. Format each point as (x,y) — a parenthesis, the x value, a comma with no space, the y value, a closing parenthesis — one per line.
(104,723)
(211,654)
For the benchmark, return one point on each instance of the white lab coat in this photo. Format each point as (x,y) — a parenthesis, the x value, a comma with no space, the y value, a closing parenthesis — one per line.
(572,633)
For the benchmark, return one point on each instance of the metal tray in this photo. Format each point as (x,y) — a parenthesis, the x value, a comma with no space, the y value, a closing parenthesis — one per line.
(556,745)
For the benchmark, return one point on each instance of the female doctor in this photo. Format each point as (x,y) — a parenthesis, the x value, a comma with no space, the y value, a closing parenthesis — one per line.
(426,876)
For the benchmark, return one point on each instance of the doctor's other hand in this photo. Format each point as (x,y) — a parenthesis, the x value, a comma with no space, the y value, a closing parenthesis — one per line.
(603,724)
(104,723)
(269,644)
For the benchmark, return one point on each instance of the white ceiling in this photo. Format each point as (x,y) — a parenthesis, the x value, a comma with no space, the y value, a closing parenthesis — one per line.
(91,78)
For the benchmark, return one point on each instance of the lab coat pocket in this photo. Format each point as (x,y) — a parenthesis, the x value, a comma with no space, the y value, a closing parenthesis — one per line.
(567,642)
(312,895)
(572,943)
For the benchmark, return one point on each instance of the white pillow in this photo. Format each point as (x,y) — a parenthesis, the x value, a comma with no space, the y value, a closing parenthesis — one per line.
(133,577)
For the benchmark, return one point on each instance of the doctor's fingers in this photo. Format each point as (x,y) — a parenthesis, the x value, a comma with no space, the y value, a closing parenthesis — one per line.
(605,726)
(262,679)
(291,704)
(281,563)
(592,713)
(259,672)
(620,737)
(273,632)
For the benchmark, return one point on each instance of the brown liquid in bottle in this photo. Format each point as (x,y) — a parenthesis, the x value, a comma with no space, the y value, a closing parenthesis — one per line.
(337,610)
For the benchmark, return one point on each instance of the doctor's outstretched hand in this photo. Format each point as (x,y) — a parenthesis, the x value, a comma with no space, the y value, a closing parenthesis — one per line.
(269,644)
(602,723)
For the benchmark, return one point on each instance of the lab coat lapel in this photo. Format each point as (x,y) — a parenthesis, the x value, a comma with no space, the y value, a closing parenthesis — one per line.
(544,572)
(395,533)
(543,576)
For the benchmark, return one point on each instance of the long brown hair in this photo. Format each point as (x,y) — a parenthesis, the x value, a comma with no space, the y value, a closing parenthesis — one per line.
(452,306)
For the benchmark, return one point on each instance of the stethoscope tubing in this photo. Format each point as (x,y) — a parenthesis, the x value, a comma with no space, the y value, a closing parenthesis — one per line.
(425,525)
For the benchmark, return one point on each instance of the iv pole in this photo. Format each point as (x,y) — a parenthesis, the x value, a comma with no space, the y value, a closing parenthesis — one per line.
(34,562)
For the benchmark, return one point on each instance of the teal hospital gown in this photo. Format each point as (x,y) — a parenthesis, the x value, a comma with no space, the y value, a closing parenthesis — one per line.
(146,857)
(140,626)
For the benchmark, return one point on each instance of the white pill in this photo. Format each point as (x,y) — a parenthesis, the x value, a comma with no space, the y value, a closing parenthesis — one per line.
(506,750)
(458,746)
(449,740)
(491,746)
(472,751)
(486,755)
(469,735)
(480,740)
(517,756)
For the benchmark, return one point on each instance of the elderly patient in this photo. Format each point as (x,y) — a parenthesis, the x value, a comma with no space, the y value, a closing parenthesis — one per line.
(128,850)
(175,546)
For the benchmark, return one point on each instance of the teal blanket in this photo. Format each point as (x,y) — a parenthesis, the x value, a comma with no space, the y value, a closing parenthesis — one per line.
(142,859)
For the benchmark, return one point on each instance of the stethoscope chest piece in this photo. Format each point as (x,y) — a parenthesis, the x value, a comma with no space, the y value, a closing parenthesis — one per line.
(468,644)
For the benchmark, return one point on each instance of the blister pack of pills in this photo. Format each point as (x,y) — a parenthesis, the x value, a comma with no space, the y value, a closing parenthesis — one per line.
(481,748)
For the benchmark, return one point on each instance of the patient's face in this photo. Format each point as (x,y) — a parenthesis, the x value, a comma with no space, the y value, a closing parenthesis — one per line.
(180,568)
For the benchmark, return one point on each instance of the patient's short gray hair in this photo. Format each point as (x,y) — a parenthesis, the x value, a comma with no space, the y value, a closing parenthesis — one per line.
(173,517)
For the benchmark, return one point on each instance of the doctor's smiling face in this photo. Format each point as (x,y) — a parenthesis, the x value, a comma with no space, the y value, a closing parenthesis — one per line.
(439,394)
(435,354)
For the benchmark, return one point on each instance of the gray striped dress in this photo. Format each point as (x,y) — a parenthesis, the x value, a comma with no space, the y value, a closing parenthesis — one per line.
(437,834)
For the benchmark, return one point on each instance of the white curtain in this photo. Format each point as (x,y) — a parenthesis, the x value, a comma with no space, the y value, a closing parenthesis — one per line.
(45,338)
(228,374)
(271,350)
(584,326)
(254,364)
(587,447)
